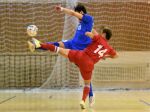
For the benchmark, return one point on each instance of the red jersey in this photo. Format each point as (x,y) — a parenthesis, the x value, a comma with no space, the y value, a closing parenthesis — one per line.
(99,48)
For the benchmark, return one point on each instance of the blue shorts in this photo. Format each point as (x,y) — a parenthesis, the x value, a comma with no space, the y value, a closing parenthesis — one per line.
(68,44)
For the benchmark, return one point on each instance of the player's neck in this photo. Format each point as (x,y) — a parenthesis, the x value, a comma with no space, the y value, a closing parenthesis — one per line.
(103,36)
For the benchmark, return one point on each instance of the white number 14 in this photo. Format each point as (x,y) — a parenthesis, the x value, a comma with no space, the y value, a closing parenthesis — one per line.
(99,51)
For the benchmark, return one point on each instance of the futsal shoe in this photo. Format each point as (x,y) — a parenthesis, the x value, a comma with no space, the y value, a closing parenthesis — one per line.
(31,46)
(36,43)
(91,101)
(82,105)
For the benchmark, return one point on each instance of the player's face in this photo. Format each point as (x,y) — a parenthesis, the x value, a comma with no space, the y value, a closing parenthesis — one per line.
(104,35)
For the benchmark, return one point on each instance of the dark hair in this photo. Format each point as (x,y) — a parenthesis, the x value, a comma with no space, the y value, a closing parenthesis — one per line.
(80,8)
(108,32)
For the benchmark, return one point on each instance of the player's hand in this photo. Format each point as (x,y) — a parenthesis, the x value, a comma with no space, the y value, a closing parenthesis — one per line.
(89,34)
(94,32)
(103,58)
(58,8)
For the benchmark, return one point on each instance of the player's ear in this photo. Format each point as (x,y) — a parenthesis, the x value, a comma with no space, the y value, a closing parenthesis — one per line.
(104,35)
(81,12)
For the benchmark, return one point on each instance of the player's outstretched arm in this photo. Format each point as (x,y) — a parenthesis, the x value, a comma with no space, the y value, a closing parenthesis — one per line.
(69,11)
(94,32)
(114,56)
(111,56)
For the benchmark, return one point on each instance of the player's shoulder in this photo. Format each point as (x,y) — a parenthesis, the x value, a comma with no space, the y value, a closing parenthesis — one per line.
(102,40)
(98,36)
(88,16)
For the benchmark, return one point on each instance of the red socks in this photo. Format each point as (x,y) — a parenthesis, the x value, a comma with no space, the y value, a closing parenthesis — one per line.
(86,91)
(50,47)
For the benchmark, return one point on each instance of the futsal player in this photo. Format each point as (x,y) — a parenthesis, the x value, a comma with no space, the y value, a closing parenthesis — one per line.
(84,59)
(79,41)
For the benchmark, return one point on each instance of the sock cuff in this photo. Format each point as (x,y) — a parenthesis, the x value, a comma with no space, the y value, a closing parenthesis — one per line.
(57,49)
(56,44)
(87,86)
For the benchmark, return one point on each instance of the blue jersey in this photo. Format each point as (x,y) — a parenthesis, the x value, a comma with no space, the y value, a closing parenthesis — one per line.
(80,40)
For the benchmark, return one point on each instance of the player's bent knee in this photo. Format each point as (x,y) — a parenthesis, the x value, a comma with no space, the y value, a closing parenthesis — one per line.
(87,82)
(64,52)
(61,44)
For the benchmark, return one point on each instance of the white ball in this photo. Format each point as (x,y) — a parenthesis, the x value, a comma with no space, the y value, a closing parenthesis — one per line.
(32,30)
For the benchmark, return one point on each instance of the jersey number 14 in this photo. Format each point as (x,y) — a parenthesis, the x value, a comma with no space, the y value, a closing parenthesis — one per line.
(100,51)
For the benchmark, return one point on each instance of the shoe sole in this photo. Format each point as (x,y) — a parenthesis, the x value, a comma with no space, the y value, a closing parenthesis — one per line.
(31,46)
(82,106)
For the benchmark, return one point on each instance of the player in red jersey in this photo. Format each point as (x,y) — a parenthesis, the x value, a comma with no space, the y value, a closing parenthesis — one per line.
(84,59)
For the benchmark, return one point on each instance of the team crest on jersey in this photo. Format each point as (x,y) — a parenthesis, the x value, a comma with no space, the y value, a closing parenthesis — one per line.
(79,27)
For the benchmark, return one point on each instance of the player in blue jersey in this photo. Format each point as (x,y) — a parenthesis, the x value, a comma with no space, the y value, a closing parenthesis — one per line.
(79,41)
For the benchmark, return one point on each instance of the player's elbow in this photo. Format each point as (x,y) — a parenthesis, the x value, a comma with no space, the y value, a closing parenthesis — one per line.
(72,13)
(94,32)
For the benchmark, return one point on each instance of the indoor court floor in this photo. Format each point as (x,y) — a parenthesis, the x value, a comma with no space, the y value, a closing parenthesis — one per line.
(68,101)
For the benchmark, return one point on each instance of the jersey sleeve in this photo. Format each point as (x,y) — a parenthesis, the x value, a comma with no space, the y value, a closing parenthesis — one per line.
(96,37)
(112,52)
(87,18)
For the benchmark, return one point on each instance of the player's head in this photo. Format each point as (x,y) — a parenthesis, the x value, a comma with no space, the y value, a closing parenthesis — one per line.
(107,33)
(80,8)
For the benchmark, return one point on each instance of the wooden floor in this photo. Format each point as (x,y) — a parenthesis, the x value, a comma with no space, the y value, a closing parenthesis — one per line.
(68,101)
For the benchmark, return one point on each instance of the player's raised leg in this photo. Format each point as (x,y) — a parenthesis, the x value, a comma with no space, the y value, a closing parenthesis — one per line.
(51,47)
(34,43)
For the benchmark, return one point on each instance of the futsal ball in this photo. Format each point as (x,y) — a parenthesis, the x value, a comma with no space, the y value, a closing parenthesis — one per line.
(32,30)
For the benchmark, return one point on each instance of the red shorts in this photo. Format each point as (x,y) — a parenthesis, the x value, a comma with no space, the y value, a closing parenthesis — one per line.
(83,61)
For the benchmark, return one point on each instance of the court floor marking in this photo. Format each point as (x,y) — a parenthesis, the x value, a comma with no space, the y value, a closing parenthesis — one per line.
(144,102)
(7,99)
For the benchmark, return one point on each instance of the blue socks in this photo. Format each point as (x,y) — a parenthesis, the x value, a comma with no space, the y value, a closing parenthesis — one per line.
(54,43)
(91,91)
